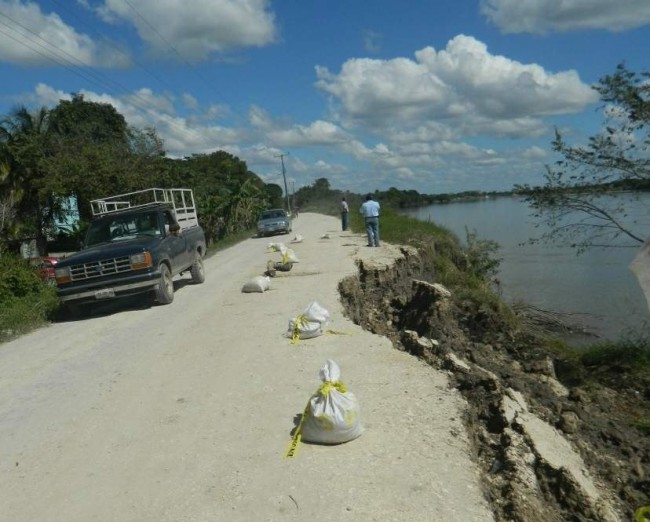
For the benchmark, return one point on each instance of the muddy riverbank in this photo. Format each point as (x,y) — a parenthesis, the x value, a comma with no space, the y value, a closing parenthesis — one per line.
(551,443)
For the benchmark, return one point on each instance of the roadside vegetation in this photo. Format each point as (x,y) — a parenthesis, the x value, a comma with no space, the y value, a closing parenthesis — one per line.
(580,200)
(469,267)
(25,301)
(85,150)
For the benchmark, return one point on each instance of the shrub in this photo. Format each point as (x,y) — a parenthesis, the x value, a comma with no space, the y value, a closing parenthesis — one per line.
(25,301)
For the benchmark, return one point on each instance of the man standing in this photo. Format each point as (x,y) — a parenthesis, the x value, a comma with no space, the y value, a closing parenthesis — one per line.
(370,212)
(344,214)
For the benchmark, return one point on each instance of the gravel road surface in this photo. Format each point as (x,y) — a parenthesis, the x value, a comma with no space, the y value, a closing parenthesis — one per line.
(184,412)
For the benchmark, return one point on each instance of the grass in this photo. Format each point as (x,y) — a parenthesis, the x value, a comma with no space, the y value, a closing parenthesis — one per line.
(229,241)
(643,425)
(465,269)
(25,301)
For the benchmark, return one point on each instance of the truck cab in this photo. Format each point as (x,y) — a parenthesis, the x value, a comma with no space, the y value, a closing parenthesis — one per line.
(136,244)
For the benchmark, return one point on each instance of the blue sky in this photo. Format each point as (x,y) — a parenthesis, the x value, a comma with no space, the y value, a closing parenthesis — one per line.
(437,96)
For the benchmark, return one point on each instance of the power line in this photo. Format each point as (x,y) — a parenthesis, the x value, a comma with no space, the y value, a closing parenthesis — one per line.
(171,46)
(119,50)
(96,78)
(102,81)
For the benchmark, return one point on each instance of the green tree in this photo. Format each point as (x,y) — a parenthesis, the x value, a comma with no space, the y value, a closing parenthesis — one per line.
(274,195)
(23,149)
(91,152)
(580,201)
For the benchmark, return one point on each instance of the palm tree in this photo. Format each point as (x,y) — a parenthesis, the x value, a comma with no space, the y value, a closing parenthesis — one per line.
(23,148)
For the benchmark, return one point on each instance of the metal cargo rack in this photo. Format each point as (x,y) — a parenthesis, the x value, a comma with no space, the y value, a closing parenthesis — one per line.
(180,201)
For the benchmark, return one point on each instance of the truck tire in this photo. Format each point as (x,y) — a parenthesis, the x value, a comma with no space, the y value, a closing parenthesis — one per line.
(165,290)
(197,270)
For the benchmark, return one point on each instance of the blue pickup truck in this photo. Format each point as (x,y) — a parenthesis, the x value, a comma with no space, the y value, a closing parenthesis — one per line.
(136,244)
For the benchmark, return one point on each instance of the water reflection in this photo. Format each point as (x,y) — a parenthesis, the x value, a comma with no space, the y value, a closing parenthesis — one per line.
(597,286)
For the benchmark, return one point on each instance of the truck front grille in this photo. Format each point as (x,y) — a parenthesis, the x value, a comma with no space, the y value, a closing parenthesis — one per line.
(100,268)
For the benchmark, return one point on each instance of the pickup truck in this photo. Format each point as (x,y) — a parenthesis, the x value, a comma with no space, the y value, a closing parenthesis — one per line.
(136,244)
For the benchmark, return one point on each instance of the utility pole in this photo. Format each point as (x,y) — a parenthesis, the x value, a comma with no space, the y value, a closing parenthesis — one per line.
(284,177)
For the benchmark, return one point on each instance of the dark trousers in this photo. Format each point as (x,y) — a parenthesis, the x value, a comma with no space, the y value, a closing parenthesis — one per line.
(344,220)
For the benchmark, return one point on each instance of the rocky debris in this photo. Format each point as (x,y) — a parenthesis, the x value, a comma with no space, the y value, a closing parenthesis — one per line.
(549,448)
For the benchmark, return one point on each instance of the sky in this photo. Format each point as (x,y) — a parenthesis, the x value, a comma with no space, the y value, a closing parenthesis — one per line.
(438,96)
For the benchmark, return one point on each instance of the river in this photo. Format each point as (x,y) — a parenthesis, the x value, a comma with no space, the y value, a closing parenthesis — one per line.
(597,287)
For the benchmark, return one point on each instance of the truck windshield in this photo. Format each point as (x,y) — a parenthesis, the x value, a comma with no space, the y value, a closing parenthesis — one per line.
(123,227)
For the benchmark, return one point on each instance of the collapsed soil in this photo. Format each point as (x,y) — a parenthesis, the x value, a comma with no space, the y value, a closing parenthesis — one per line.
(487,360)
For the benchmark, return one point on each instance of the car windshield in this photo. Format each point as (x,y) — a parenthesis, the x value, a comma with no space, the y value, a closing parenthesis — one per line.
(272,214)
(120,228)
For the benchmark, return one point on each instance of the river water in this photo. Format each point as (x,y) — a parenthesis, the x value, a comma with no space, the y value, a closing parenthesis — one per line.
(597,287)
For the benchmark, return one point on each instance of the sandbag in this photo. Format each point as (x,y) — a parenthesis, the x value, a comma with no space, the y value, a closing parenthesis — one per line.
(332,415)
(257,284)
(315,312)
(283,267)
(289,256)
(301,328)
(276,247)
(308,324)
(270,270)
(297,239)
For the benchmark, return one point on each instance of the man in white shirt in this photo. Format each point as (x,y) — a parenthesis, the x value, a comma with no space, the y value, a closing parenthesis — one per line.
(344,214)
(370,212)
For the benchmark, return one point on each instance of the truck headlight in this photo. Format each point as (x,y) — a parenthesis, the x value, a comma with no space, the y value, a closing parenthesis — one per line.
(63,275)
(141,260)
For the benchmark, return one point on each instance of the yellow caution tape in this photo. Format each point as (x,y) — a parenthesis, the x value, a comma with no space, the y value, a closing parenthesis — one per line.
(298,322)
(324,391)
(327,387)
(335,332)
(642,514)
(292,450)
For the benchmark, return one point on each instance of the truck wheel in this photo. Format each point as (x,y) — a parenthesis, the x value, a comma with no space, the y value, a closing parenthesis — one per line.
(165,291)
(197,270)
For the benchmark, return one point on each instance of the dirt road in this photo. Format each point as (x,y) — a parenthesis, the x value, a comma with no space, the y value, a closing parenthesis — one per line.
(183,412)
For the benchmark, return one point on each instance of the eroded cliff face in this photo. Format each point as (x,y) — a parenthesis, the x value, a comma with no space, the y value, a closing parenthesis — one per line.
(549,447)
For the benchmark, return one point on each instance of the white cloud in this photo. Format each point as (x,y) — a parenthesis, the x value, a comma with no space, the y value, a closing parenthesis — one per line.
(190,101)
(142,109)
(324,168)
(316,133)
(259,118)
(29,36)
(463,85)
(535,153)
(543,16)
(196,28)
(371,41)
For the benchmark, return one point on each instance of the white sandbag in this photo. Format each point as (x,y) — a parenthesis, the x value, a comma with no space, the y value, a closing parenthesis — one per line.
(257,284)
(289,256)
(297,239)
(308,324)
(301,328)
(315,312)
(332,415)
(276,247)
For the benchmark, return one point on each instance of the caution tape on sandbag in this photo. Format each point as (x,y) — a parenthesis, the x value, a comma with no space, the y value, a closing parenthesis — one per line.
(323,391)
(299,322)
